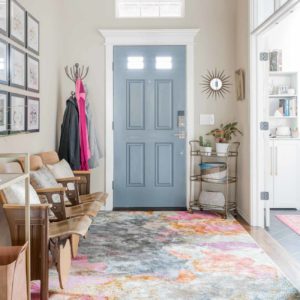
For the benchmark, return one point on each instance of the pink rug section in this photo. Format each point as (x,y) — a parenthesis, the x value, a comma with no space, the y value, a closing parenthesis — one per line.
(292,221)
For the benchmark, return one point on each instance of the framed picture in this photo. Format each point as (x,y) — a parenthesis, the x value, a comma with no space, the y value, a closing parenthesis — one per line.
(33,34)
(17,63)
(33,115)
(4,17)
(3,113)
(240,84)
(4,62)
(17,22)
(33,74)
(17,113)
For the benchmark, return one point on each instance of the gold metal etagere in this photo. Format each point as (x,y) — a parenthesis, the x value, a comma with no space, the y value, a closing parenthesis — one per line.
(230,192)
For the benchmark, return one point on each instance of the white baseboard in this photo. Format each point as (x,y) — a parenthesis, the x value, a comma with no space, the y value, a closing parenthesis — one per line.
(245,216)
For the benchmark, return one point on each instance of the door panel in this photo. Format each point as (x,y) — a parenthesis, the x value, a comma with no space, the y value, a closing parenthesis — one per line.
(135,104)
(149,157)
(164,104)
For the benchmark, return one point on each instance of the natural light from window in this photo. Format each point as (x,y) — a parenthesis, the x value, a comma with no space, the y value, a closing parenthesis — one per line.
(150,8)
(135,63)
(163,63)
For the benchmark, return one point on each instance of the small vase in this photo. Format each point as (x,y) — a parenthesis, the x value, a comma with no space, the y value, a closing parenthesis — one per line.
(206,151)
(222,149)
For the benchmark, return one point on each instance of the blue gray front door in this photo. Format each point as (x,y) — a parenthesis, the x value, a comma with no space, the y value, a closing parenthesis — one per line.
(149,126)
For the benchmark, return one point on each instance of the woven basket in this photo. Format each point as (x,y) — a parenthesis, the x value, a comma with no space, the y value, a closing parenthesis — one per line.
(13,280)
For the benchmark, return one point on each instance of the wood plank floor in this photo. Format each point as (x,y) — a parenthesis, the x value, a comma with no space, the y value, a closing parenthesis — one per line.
(285,261)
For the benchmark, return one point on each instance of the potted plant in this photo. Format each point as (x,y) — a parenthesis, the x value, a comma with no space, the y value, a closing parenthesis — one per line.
(223,136)
(205,146)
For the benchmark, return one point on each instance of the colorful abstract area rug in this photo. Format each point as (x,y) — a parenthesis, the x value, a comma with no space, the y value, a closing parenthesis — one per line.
(292,221)
(170,256)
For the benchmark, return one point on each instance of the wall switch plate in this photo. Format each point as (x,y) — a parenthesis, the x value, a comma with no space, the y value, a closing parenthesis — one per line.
(207,119)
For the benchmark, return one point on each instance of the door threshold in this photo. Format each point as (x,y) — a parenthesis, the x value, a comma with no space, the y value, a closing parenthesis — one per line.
(150,209)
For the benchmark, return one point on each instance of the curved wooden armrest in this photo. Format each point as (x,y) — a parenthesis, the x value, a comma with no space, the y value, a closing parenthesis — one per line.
(82,172)
(69,179)
(51,190)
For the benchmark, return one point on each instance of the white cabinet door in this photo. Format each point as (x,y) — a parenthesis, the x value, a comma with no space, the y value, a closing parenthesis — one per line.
(286,174)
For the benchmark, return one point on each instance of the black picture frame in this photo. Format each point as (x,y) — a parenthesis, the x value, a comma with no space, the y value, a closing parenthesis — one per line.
(15,6)
(29,45)
(13,69)
(16,112)
(5,62)
(4,110)
(5,29)
(30,76)
(33,114)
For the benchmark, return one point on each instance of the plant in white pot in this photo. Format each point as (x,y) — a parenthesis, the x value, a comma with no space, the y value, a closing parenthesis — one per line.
(205,146)
(223,136)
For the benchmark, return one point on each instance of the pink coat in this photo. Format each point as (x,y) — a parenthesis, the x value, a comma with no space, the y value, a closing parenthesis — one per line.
(85,152)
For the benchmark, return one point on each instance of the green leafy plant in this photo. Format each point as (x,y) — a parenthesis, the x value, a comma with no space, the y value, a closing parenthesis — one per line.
(225,133)
(204,143)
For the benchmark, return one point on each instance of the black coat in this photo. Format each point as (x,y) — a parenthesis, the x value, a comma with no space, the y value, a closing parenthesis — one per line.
(69,146)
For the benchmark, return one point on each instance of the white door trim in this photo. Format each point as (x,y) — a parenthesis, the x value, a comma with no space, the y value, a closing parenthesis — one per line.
(256,112)
(184,37)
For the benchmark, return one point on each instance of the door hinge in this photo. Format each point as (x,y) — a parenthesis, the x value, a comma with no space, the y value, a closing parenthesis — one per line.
(263,56)
(264,196)
(113,184)
(264,126)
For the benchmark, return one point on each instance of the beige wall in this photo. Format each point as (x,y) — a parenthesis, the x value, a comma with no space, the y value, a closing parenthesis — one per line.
(69,34)
(243,109)
(215,48)
(47,13)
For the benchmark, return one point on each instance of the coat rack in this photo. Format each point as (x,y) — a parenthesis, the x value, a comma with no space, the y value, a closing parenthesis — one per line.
(76,72)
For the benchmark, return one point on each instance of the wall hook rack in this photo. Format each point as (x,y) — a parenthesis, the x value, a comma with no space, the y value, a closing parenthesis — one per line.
(76,72)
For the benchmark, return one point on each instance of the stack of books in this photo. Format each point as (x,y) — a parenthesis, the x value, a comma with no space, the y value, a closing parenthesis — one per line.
(288,107)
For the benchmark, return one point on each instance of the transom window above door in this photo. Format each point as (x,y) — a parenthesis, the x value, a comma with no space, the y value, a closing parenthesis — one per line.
(150,8)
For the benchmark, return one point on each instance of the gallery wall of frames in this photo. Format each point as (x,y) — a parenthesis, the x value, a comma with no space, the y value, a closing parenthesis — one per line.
(20,69)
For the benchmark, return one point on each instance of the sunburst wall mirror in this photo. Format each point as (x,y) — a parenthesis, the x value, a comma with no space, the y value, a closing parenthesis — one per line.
(216,84)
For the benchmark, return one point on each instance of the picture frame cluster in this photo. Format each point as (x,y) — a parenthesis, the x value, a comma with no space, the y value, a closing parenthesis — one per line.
(19,68)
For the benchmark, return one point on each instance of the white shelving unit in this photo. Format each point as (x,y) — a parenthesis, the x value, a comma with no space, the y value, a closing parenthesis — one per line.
(290,80)
(7,180)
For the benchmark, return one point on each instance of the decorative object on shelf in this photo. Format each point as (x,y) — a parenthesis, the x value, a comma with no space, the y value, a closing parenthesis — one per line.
(283,131)
(205,146)
(17,22)
(3,113)
(33,74)
(4,79)
(240,84)
(213,170)
(223,135)
(295,133)
(17,64)
(4,17)
(17,113)
(33,34)
(212,198)
(276,61)
(216,84)
(33,115)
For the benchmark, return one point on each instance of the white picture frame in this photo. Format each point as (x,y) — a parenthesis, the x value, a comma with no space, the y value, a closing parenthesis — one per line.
(17,64)
(17,22)
(4,63)
(3,113)
(33,34)
(4,17)
(33,114)
(33,74)
(17,115)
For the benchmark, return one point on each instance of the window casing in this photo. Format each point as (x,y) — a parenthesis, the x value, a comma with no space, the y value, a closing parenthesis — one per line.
(150,8)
